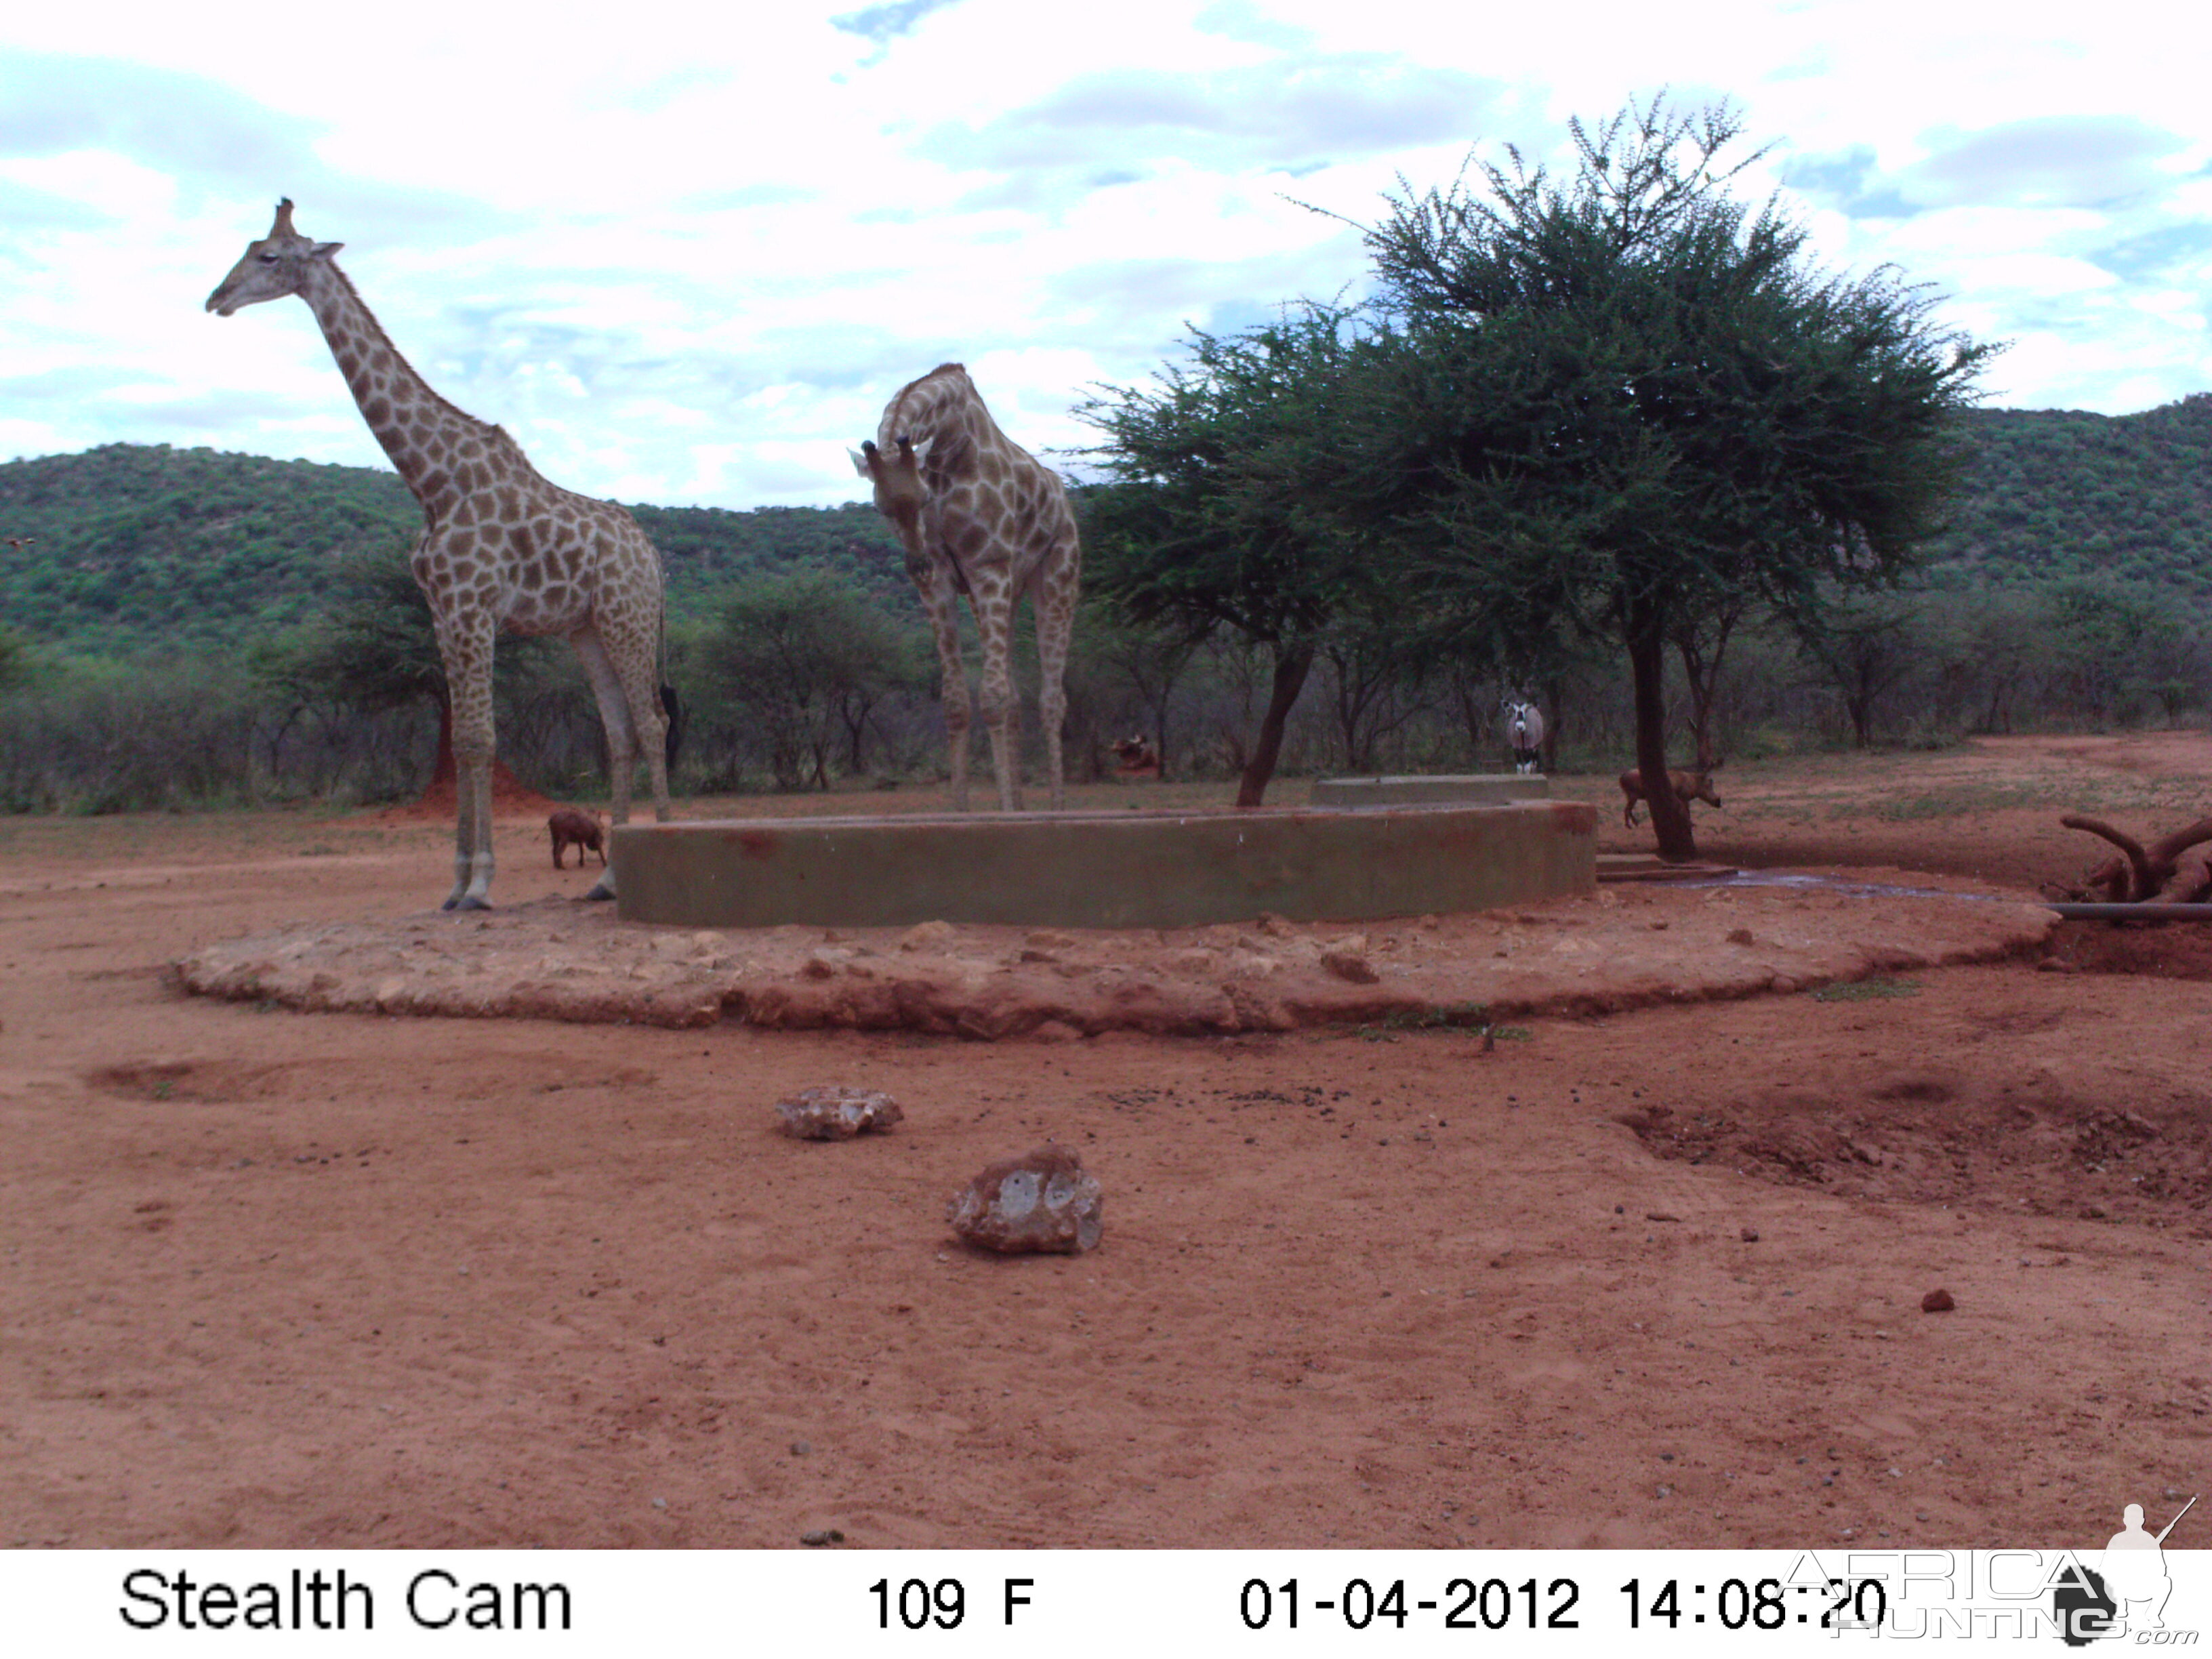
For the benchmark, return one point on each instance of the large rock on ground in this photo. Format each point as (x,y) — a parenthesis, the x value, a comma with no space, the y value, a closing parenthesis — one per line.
(1042,1202)
(835,1112)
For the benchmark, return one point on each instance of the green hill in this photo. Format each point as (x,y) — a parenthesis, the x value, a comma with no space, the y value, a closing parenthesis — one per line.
(138,547)
(2062,492)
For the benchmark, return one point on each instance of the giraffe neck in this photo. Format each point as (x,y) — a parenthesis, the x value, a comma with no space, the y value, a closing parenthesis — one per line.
(408,418)
(944,409)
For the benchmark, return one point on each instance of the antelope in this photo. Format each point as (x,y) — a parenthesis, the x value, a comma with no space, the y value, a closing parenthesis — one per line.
(1524,733)
(1687,787)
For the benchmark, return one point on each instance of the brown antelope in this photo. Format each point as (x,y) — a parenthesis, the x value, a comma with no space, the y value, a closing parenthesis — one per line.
(1687,787)
(581,831)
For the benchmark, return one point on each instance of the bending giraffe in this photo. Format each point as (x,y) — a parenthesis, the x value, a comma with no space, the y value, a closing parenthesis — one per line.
(978,515)
(501,548)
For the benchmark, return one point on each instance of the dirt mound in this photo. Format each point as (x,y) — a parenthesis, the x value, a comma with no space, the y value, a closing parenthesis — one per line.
(1928,1136)
(510,798)
(1614,951)
(2164,951)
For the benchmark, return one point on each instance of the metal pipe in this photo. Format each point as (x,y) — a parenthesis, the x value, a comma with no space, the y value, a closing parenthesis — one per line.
(2132,912)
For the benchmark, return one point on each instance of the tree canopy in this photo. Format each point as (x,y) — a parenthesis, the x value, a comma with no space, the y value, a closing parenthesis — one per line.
(1232,500)
(1623,399)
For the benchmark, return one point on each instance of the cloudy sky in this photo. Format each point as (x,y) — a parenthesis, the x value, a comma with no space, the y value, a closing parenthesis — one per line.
(685,252)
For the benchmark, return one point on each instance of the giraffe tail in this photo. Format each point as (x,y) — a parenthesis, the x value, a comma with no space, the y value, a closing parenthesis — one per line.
(673,706)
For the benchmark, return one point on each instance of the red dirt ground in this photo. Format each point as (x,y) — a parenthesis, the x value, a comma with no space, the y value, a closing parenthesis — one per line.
(275,1279)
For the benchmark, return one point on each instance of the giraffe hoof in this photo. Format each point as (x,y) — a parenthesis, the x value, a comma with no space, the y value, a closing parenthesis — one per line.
(601,891)
(468,903)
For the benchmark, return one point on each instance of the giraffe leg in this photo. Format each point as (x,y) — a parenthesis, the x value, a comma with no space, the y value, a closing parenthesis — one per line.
(939,601)
(636,662)
(609,687)
(1002,710)
(1054,601)
(468,654)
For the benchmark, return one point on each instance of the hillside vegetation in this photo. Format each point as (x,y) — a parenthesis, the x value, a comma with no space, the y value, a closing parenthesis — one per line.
(2062,492)
(139,548)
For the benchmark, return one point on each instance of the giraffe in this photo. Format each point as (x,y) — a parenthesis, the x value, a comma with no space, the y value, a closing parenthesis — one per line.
(978,515)
(501,548)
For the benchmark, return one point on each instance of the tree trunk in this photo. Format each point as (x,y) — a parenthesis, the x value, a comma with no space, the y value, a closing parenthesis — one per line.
(1647,662)
(1555,699)
(1291,665)
(2145,873)
(1703,674)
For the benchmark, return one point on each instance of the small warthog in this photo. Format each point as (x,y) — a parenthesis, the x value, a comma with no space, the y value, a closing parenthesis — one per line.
(1687,787)
(1134,759)
(581,831)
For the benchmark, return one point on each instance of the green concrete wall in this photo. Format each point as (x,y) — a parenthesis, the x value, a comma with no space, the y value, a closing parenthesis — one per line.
(1103,870)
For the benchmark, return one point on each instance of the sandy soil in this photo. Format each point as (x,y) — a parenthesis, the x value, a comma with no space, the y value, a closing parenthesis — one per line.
(274,1278)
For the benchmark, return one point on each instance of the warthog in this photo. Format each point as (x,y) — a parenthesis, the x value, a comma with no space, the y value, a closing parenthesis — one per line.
(572,827)
(1134,758)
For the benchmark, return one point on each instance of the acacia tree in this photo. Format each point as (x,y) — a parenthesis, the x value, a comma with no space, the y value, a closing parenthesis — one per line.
(1231,507)
(1625,398)
(801,658)
(375,648)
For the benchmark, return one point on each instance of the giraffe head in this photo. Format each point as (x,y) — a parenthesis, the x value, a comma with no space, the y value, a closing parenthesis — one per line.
(900,489)
(273,267)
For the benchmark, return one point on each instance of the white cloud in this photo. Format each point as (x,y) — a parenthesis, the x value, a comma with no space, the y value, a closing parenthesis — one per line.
(686,256)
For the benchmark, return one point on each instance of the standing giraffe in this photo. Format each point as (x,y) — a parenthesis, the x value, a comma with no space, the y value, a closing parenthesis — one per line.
(978,515)
(501,548)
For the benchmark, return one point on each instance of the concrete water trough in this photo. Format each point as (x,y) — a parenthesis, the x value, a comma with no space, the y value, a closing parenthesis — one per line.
(1091,869)
(1466,789)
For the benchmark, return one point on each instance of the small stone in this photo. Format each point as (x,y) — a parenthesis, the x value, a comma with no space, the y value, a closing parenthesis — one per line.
(1276,926)
(1657,927)
(800,1447)
(1350,965)
(1045,940)
(1042,1202)
(835,1112)
(1660,1215)
(826,1536)
(1782,985)
(1937,1301)
(927,936)
(1740,936)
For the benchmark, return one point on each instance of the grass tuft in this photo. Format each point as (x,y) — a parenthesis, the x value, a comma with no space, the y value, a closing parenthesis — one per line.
(1867,990)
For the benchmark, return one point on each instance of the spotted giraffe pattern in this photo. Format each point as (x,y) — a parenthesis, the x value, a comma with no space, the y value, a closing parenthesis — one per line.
(501,548)
(978,515)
